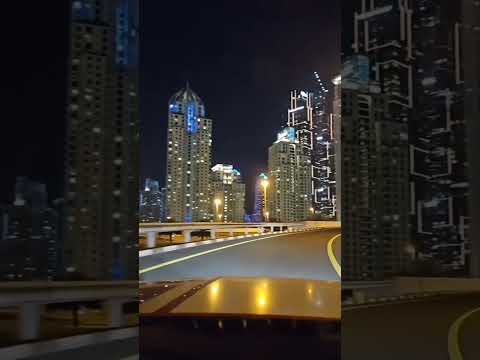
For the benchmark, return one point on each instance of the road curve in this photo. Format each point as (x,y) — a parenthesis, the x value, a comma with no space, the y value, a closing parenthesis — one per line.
(293,255)
(415,330)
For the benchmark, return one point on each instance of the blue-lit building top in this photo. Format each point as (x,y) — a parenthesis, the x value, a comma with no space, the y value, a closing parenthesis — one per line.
(186,101)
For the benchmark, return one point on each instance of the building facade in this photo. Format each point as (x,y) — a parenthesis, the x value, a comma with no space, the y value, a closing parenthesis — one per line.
(416,51)
(29,235)
(151,202)
(323,158)
(101,189)
(336,119)
(289,195)
(228,194)
(261,184)
(188,181)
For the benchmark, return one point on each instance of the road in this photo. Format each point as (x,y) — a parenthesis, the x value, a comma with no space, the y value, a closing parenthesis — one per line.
(414,330)
(112,344)
(292,255)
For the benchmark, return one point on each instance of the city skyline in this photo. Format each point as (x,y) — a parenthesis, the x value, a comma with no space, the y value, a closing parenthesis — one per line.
(244,95)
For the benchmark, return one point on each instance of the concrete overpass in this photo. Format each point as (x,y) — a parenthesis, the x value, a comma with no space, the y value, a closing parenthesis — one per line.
(31,297)
(151,230)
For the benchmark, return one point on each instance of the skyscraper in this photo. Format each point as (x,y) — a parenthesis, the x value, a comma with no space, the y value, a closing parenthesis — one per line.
(307,113)
(470,52)
(151,202)
(323,157)
(188,159)
(290,179)
(416,52)
(438,150)
(102,141)
(337,125)
(259,204)
(377,103)
(29,235)
(228,194)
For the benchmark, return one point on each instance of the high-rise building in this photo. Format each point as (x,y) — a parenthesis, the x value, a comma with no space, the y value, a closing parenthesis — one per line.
(151,202)
(228,194)
(102,141)
(29,235)
(416,51)
(188,159)
(290,179)
(470,52)
(377,101)
(438,150)
(336,118)
(308,115)
(323,157)
(261,184)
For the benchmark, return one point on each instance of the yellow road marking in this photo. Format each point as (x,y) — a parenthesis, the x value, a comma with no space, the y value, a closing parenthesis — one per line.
(454,336)
(331,255)
(174,261)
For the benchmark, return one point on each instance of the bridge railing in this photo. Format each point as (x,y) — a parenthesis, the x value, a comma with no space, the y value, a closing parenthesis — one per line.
(153,229)
(30,299)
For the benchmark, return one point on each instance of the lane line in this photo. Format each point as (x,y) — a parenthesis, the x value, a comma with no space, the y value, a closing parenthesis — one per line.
(175,261)
(454,351)
(331,255)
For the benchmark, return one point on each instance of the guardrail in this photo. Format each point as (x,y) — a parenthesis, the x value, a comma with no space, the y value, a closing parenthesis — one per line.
(405,288)
(30,298)
(153,229)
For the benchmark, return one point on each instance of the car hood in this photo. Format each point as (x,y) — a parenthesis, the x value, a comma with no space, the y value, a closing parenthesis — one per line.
(243,297)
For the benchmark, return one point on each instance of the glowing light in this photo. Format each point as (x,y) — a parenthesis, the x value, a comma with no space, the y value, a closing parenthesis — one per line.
(214,289)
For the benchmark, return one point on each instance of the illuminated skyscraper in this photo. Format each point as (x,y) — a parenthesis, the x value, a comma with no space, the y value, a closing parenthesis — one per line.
(188,159)
(336,118)
(102,141)
(151,204)
(228,194)
(259,205)
(323,157)
(290,179)
(307,113)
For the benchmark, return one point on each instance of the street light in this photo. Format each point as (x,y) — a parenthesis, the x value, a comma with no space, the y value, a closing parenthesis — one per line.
(265,185)
(217,204)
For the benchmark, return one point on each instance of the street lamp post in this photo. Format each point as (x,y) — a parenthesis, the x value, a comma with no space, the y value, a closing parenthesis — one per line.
(265,212)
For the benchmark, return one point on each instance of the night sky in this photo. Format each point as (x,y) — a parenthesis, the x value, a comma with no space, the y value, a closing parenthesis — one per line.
(34,38)
(242,58)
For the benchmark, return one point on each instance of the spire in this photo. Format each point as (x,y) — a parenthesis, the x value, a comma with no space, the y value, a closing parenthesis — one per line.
(187,86)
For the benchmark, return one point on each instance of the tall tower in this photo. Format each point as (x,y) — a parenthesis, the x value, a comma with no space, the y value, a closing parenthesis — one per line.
(102,141)
(188,159)
(323,157)
(151,202)
(377,101)
(228,194)
(337,139)
(259,205)
(290,179)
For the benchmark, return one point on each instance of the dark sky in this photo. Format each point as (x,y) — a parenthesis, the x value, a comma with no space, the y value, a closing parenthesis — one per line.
(33,65)
(242,58)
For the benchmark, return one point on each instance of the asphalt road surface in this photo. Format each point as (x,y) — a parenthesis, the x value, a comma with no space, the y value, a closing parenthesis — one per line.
(415,330)
(294,255)
(116,350)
